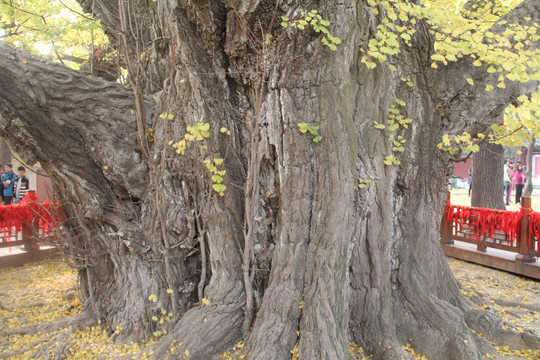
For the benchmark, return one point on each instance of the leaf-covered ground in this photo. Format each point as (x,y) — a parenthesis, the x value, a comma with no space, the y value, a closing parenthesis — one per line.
(43,293)
(39,294)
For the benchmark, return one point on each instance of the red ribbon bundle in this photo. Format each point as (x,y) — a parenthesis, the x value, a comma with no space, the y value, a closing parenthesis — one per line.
(534,226)
(487,221)
(29,210)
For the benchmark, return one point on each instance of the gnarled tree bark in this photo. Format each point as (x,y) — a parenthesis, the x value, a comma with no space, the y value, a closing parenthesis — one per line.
(331,262)
(487,186)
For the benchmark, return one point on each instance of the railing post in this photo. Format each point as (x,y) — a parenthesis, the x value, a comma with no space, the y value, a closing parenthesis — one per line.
(446,226)
(29,236)
(524,236)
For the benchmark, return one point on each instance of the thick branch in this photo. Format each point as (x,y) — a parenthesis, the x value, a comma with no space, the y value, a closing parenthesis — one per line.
(61,117)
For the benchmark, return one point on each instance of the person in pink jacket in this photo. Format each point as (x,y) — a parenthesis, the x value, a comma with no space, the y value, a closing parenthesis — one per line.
(519,175)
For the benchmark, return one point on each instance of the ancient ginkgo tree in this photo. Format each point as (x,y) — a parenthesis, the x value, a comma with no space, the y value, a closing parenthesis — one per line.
(271,172)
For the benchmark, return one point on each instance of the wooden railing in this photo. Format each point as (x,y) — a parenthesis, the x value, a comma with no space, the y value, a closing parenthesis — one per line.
(516,232)
(28,223)
(24,234)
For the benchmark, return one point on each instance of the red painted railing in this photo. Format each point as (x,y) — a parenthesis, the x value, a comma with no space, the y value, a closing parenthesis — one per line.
(27,222)
(514,231)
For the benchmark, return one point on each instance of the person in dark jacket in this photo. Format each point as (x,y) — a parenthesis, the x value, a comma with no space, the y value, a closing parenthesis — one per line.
(8,181)
(2,188)
(22,184)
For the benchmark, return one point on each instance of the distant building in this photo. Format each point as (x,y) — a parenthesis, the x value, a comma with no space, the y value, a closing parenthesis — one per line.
(461,170)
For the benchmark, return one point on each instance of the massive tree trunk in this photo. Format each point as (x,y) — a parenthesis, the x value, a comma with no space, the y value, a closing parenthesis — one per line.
(488,184)
(528,189)
(330,261)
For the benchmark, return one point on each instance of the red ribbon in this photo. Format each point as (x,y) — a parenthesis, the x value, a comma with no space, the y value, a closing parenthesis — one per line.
(487,221)
(29,210)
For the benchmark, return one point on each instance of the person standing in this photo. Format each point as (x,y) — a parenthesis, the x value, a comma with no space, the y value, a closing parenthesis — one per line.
(8,182)
(2,189)
(520,181)
(22,184)
(507,181)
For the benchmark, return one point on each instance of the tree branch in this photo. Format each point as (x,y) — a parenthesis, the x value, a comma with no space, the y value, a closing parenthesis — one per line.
(55,115)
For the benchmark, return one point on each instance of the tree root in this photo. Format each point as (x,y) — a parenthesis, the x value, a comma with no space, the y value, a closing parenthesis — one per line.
(494,329)
(219,326)
(8,354)
(5,307)
(57,344)
(56,347)
(72,322)
(516,304)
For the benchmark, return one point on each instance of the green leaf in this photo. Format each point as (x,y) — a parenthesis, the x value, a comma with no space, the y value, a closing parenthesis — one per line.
(219,188)
(334,39)
(325,22)
(211,167)
(379,126)
(303,127)
(317,138)
(217,179)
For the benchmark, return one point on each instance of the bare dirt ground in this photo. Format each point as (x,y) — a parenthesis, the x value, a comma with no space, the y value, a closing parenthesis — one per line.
(34,296)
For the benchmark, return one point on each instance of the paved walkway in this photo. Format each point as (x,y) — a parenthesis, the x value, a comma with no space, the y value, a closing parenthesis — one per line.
(16,256)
